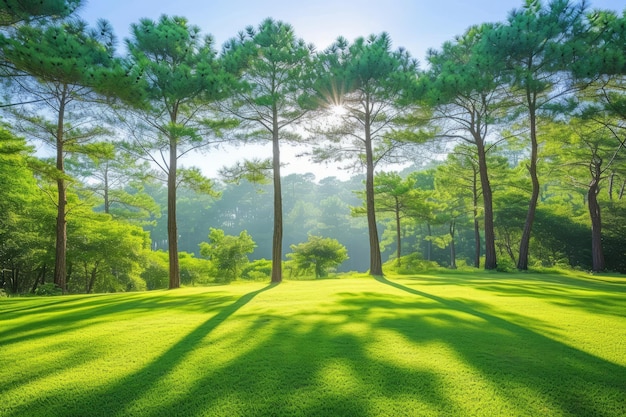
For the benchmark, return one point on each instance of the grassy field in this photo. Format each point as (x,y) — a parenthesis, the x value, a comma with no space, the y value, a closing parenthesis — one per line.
(434,345)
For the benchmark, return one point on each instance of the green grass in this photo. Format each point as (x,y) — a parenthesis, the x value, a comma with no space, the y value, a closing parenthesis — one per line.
(470,344)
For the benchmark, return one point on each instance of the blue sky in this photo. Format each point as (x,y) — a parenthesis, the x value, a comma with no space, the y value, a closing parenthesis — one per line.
(416,25)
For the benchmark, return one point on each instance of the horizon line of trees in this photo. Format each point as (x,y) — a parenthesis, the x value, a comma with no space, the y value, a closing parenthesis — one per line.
(531,108)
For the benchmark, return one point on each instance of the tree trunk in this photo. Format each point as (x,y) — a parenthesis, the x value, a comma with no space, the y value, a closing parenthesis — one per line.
(522,260)
(429,243)
(597,252)
(40,279)
(92,278)
(452,246)
(376,266)
(476,224)
(60,266)
(277,240)
(398,233)
(107,204)
(172,228)
(490,237)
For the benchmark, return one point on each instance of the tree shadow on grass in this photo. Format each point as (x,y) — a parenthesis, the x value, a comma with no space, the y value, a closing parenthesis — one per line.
(520,361)
(586,294)
(137,383)
(71,314)
(369,354)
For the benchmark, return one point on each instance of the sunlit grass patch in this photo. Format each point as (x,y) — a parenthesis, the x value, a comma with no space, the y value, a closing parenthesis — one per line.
(454,344)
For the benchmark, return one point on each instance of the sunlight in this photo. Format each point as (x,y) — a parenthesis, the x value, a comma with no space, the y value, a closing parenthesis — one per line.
(337,110)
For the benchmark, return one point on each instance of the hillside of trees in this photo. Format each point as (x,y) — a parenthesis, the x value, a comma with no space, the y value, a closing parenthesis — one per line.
(514,134)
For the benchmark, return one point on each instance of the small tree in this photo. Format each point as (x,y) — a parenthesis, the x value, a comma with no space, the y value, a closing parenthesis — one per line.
(228,253)
(318,253)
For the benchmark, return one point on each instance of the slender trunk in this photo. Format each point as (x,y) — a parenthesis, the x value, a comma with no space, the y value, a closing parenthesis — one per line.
(398,233)
(107,204)
(429,243)
(277,240)
(92,278)
(452,246)
(86,270)
(14,283)
(522,260)
(621,191)
(476,224)
(60,265)
(40,279)
(611,180)
(376,266)
(172,228)
(490,238)
(597,252)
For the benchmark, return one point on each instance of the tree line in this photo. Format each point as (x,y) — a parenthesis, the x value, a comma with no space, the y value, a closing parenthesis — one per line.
(529,111)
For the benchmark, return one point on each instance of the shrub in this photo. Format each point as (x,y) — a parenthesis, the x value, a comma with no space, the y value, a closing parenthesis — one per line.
(257,270)
(48,289)
(410,264)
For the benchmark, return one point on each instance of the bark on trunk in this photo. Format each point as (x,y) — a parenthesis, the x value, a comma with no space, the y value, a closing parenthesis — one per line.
(429,243)
(277,240)
(522,260)
(452,246)
(60,265)
(40,279)
(172,228)
(92,278)
(376,267)
(398,233)
(597,252)
(490,237)
(477,240)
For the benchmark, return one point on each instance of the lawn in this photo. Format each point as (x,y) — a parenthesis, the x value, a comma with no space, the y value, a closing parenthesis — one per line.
(465,344)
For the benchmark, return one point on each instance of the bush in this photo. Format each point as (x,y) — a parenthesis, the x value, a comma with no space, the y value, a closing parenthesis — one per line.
(410,264)
(257,270)
(48,289)
(505,264)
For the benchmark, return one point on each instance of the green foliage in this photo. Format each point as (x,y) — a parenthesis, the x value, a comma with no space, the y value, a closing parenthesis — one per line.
(48,289)
(258,270)
(410,264)
(13,12)
(228,253)
(195,271)
(155,272)
(318,254)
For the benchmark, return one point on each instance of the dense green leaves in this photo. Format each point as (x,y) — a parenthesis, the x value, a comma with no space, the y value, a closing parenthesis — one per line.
(530,111)
(228,253)
(318,254)
(13,12)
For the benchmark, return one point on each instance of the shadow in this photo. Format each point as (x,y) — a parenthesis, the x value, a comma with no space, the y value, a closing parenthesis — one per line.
(522,362)
(133,385)
(75,313)
(584,293)
(389,350)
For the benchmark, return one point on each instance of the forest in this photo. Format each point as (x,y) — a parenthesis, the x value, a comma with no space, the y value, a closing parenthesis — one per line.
(512,136)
